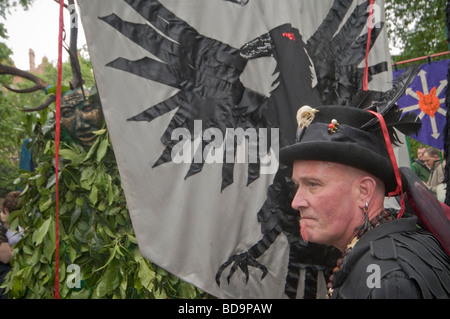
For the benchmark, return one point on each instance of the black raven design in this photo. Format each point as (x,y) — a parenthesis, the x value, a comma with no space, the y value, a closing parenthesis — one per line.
(240,2)
(207,73)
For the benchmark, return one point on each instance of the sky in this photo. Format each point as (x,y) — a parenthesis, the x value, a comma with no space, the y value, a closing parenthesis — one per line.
(37,29)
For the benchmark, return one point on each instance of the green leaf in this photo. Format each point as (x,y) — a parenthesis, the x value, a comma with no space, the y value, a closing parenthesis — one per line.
(160,293)
(48,148)
(35,258)
(71,155)
(123,288)
(40,180)
(51,181)
(52,231)
(87,177)
(110,195)
(79,201)
(27,250)
(108,282)
(187,291)
(18,288)
(38,235)
(44,203)
(132,238)
(100,132)
(52,89)
(145,274)
(93,196)
(49,249)
(81,294)
(92,150)
(14,220)
(109,232)
(69,196)
(74,217)
(102,148)
(112,252)
(102,206)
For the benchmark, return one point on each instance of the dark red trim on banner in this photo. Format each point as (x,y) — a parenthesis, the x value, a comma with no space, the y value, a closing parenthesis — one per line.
(399,190)
(57,132)
(369,35)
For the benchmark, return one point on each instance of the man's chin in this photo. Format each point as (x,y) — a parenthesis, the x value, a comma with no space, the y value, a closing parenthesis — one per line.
(304,231)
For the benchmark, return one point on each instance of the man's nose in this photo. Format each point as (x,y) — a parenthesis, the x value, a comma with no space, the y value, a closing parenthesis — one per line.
(299,201)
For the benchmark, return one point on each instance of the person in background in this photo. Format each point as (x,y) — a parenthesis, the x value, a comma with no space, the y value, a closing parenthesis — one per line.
(433,161)
(11,203)
(419,167)
(6,254)
(8,238)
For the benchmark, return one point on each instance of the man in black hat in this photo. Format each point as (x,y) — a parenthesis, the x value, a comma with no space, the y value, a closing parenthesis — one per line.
(344,166)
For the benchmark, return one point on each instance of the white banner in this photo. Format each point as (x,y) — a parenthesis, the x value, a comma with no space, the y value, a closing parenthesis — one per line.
(180,81)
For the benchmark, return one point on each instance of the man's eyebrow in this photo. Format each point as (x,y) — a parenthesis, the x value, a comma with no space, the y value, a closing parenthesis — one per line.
(305,178)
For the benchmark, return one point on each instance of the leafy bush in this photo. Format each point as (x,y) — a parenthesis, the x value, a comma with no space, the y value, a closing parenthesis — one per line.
(95,229)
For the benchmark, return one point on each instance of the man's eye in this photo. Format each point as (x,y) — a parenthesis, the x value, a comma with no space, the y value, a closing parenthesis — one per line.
(313,184)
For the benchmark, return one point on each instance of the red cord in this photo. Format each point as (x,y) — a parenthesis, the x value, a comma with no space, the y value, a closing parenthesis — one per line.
(399,190)
(57,132)
(369,36)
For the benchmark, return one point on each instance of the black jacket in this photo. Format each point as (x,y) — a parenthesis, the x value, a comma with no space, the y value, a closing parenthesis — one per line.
(410,262)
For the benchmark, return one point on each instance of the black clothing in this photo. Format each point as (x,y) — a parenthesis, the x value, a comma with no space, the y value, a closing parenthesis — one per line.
(4,269)
(412,265)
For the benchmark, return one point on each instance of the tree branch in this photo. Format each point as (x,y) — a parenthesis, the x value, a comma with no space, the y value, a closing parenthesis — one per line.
(40,84)
(28,90)
(77,80)
(50,99)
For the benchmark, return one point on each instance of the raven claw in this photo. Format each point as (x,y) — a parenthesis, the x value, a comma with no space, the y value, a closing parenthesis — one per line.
(242,261)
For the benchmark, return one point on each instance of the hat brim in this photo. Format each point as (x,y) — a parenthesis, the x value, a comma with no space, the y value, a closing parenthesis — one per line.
(350,154)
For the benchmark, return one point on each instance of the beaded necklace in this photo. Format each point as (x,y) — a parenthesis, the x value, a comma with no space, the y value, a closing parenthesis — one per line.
(383,217)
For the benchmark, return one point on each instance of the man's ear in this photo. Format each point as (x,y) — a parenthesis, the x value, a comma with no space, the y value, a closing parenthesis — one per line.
(367,188)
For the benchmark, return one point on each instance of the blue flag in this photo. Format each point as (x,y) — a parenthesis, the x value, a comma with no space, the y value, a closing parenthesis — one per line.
(426,98)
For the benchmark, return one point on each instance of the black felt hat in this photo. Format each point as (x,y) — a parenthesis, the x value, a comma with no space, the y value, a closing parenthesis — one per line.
(336,134)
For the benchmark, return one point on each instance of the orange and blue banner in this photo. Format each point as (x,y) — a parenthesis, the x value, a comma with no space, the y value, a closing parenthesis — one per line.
(426,98)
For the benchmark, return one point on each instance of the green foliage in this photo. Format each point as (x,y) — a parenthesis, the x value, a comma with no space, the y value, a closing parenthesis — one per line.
(8,173)
(417,27)
(95,229)
(10,143)
(13,121)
